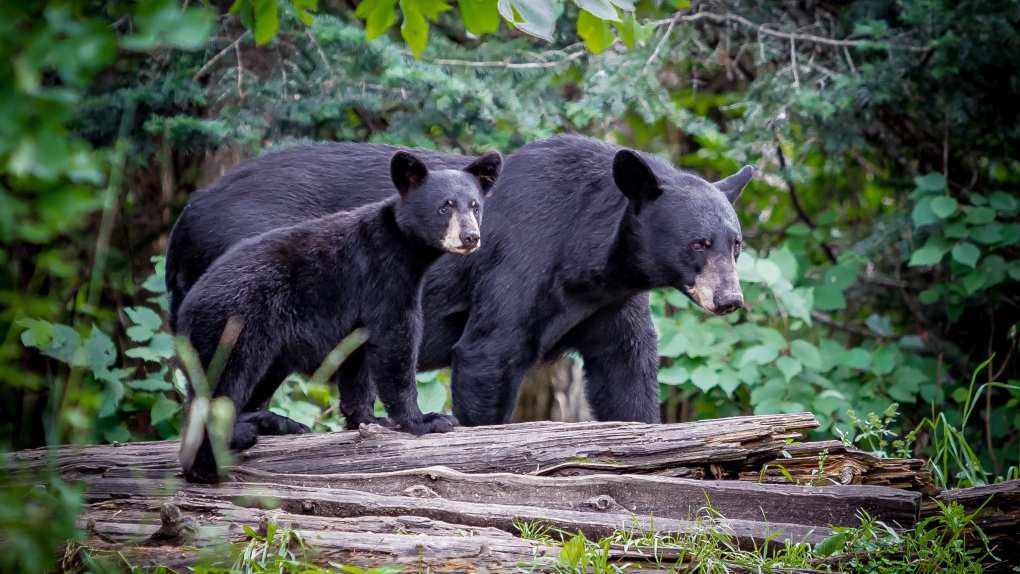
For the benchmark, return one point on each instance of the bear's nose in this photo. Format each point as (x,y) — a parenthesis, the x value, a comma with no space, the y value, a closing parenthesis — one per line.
(469,239)
(726,303)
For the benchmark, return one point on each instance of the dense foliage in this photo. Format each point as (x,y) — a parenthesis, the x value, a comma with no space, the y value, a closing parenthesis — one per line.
(883,232)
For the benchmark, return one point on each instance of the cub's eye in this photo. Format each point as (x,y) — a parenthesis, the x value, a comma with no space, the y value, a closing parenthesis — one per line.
(698,245)
(444,210)
(737,246)
(474,206)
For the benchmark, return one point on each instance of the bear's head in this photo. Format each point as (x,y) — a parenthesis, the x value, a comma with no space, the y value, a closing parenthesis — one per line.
(443,208)
(685,232)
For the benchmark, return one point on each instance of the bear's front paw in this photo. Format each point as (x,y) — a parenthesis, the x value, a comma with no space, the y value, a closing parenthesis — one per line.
(436,422)
(429,422)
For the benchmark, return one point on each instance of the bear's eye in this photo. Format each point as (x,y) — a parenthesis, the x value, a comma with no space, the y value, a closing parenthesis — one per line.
(737,246)
(444,210)
(474,206)
(699,244)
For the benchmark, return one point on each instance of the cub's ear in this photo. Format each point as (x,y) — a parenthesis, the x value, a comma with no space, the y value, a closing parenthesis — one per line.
(635,178)
(407,171)
(733,185)
(486,170)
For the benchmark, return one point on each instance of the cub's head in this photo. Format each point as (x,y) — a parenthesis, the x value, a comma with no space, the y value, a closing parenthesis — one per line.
(686,233)
(443,208)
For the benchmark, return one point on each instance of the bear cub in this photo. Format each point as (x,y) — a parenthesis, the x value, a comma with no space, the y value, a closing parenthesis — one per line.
(297,291)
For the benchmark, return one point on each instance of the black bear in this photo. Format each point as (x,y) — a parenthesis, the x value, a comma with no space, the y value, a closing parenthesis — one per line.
(298,290)
(576,235)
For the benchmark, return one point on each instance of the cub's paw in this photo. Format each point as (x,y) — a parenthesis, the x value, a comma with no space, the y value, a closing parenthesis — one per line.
(430,423)
(245,436)
(270,423)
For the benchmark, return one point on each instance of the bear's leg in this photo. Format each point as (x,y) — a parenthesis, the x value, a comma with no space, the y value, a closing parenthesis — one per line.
(488,368)
(357,393)
(392,361)
(247,365)
(621,362)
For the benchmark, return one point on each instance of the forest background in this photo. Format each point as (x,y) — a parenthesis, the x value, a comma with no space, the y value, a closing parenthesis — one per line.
(883,232)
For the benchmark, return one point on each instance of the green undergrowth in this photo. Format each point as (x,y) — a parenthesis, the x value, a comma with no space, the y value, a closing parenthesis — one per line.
(936,544)
(942,543)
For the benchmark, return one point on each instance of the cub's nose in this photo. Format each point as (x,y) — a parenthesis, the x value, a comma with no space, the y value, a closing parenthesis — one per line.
(726,303)
(469,239)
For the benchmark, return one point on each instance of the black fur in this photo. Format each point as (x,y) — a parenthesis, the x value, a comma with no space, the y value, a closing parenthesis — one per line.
(566,261)
(300,289)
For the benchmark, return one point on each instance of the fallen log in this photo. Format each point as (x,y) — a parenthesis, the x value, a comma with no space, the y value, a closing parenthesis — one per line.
(547,448)
(997,512)
(842,465)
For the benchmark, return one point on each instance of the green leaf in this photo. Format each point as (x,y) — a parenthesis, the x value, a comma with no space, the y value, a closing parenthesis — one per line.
(884,360)
(798,230)
(930,295)
(768,271)
(841,276)
(829,298)
(147,322)
(601,9)
(729,381)
(856,358)
(150,384)
(966,254)
(926,256)
(790,367)
(798,303)
(1002,201)
(943,206)
(879,324)
(988,233)
(536,17)
(102,352)
(60,342)
(932,182)
(302,7)
(980,215)
(597,33)
(414,29)
(787,263)
(432,397)
(379,15)
(267,20)
(831,545)
(906,384)
(674,375)
(480,16)
(759,354)
(631,32)
(163,409)
(974,281)
(705,378)
(922,214)
(807,354)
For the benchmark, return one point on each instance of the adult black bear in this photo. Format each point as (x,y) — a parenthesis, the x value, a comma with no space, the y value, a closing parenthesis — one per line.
(297,291)
(567,262)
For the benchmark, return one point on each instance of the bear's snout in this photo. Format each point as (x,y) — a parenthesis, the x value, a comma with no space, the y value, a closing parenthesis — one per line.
(469,239)
(726,303)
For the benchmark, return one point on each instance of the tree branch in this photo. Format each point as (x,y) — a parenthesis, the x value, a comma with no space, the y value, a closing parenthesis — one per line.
(796,202)
(762,29)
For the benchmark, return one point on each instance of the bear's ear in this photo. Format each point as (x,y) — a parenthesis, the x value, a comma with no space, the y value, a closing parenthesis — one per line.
(635,178)
(407,171)
(486,170)
(733,185)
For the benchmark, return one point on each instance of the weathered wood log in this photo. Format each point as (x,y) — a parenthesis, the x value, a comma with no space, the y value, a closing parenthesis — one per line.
(643,495)
(997,508)
(685,449)
(843,465)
